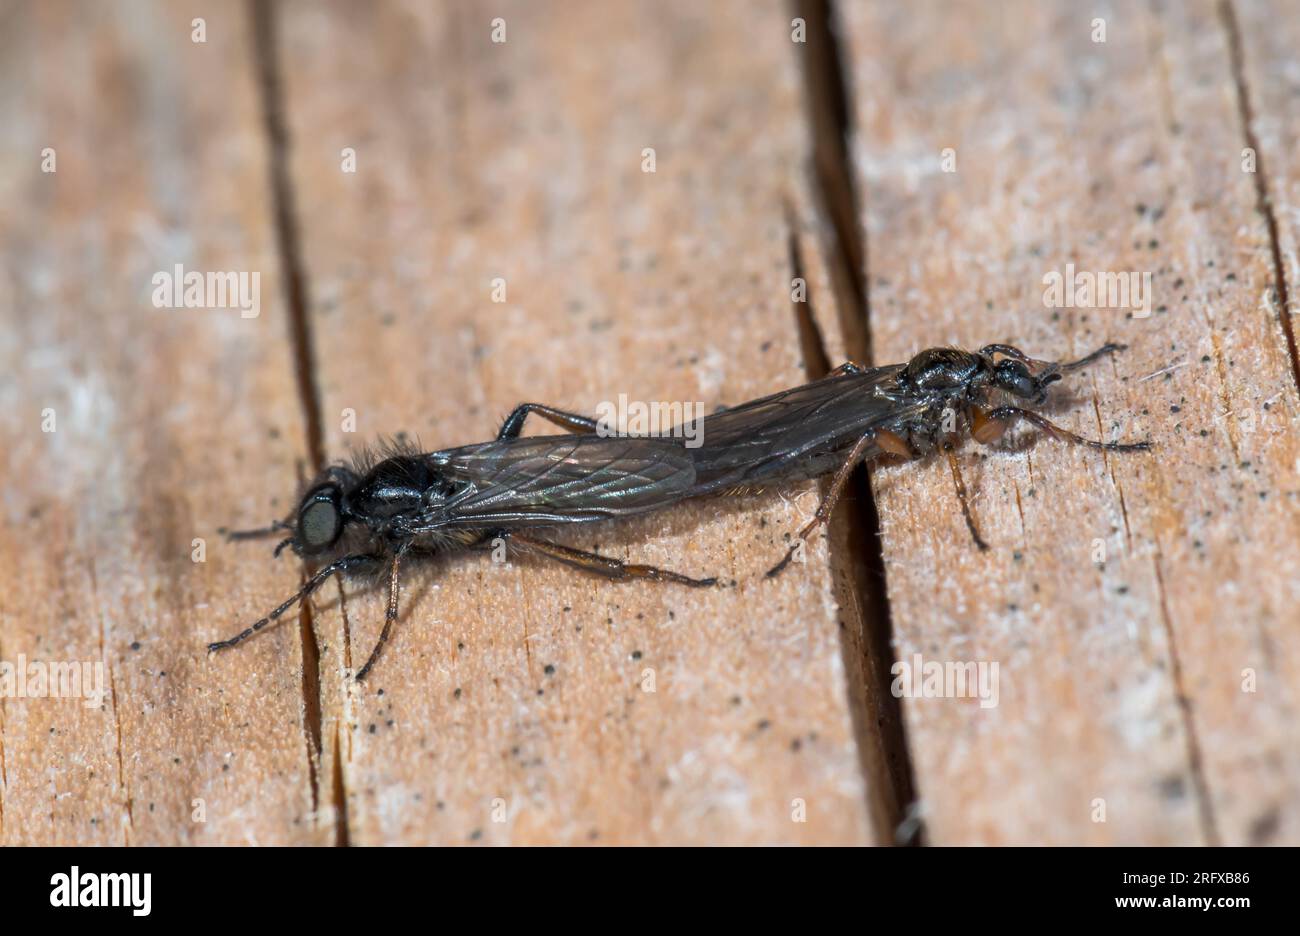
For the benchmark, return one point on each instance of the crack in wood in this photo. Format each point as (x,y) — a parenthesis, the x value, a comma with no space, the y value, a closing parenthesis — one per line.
(1020,512)
(851,562)
(297,298)
(117,721)
(1196,763)
(1225,399)
(828,104)
(4,771)
(1108,465)
(342,835)
(286,227)
(311,719)
(830,110)
(1263,200)
(121,766)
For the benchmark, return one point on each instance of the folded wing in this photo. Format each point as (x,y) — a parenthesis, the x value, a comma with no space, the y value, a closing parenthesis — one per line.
(545,480)
(798,432)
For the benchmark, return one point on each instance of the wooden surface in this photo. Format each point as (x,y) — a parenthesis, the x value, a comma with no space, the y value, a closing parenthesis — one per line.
(1120,681)
(168,424)
(525,703)
(481,160)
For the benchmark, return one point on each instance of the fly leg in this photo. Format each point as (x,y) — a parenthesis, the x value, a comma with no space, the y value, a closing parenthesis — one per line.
(845,369)
(1109,348)
(514,423)
(963,498)
(610,568)
(989,427)
(827,504)
(1017,354)
(340,565)
(275,527)
(389,617)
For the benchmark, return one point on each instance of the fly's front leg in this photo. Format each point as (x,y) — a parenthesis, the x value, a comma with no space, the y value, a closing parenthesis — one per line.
(610,568)
(827,505)
(514,423)
(988,427)
(346,564)
(259,533)
(1064,367)
(1103,351)
(276,526)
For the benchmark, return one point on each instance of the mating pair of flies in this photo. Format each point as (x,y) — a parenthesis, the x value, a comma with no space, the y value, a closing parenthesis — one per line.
(372,516)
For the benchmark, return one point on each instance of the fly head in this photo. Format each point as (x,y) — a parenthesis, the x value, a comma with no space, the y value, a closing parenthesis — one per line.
(1010,370)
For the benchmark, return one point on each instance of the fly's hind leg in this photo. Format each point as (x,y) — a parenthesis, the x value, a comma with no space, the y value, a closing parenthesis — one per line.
(514,423)
(828,501)
(610,568)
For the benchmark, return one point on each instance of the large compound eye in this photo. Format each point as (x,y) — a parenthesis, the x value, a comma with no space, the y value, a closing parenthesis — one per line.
(318,520)
(1015,378)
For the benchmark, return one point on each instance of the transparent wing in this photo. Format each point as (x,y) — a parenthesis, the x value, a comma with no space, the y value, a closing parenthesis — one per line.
(793,433)
(548,480)
(545,480)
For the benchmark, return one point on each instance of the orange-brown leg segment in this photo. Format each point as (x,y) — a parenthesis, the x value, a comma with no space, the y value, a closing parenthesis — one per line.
(610,568)
(963,498)
(984,430)
(894,444)
(827,505)
(389,617)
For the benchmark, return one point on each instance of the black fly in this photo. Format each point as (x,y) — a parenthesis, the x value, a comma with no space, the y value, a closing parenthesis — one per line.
(369,517)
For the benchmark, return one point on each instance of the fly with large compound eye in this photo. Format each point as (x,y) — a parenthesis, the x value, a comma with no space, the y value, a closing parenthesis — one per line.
(369,517)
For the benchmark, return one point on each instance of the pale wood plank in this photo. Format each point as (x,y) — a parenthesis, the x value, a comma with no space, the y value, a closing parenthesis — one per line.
(169,423)
(523,160)
(1120,682)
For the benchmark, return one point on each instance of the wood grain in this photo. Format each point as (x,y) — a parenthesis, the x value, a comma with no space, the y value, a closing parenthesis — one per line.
(1121,680)
(514,703)
(168,423)
(1141,609)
